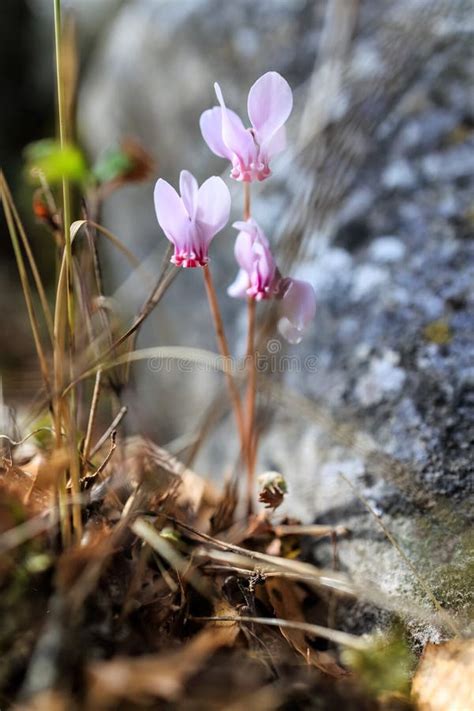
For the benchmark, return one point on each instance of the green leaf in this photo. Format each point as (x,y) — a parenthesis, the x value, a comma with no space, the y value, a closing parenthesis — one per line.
(112,165)
(55,162)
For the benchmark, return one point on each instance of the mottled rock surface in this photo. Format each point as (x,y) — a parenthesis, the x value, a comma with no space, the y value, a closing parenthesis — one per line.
(388,246)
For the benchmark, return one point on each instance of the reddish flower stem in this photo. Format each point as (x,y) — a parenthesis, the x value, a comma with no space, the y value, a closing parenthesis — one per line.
(224,351)
(250,403)
(251,379)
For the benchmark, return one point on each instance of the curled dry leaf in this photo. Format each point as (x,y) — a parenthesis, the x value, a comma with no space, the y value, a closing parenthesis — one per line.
(286,604)
(444,679)
(162,675)
(272,489)
(155,468)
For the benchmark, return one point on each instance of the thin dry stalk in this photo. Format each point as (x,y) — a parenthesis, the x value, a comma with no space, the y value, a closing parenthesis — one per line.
(62,117)
(92,414)
(316,530)
(150,535)
(116,241)
(99,362)
(342,638)
(60,326)
(74,471)
(113,447)
(424,585)
(224,351)
(110,429)
(164,282)
(31,260)
(35,330)
(64,327)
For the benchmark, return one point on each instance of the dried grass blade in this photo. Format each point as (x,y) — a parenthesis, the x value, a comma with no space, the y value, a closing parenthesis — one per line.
(150,535)
(341,638)
(26,289)
(31,260)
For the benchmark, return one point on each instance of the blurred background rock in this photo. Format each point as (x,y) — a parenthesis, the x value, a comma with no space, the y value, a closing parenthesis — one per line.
(374,204)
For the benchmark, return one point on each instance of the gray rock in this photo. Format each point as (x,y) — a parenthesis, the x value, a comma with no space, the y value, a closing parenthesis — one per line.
(384,378)
(399,176)
(390,402)
(427,130)
(387,249)
(456,162)
(368,278)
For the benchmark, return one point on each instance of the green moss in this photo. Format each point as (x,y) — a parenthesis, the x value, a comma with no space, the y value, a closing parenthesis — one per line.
(385,666)
(438,332)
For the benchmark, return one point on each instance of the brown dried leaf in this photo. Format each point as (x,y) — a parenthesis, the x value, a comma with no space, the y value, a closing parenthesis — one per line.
(444,679)
(222,608)
(48,468)
(20,484)
(142,165)
(162,675)
(224,515)
(95,548)
(287,605)
(154,467)
(48,701)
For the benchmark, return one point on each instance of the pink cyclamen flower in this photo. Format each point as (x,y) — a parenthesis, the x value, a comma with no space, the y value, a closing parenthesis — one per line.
(250,150)
(298,307)
(258,276)
(191,220)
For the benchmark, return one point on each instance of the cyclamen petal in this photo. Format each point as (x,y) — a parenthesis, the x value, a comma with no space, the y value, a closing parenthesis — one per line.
(253,255)
(269,104)
(298,308)
(250,150)
(191,221)
(213,206)
(211,129)
(234,134)
(170,211)
(274,145)
(243,251)
(238,288)
(259,278)
(289,332)
(263,276)
(188,188)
